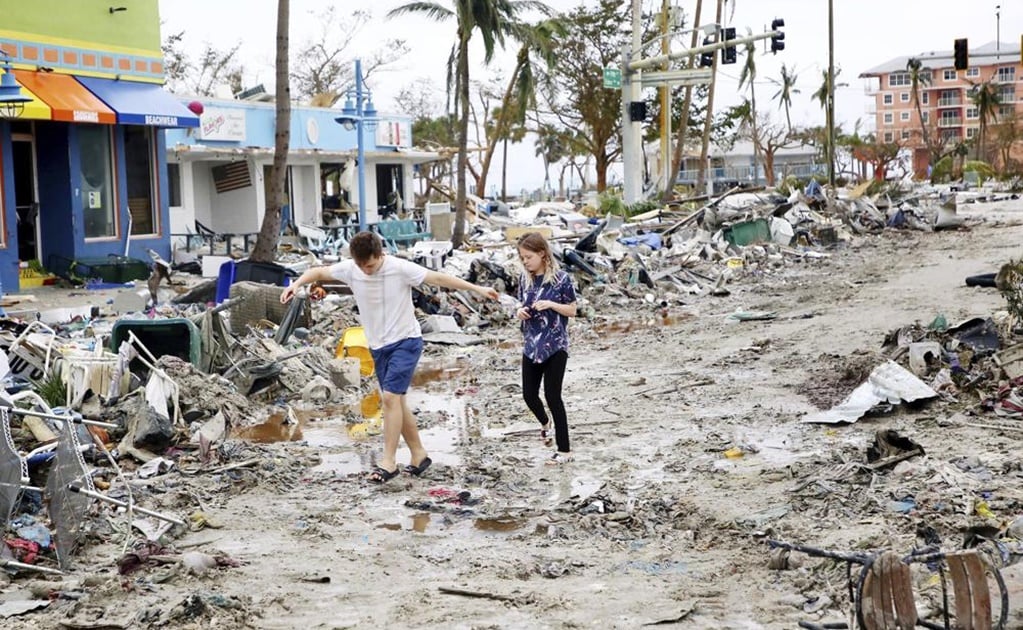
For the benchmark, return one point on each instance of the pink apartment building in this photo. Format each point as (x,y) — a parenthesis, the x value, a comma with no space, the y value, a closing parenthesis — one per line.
(945,102)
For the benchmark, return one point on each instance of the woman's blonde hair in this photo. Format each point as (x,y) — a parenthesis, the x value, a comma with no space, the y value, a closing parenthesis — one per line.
(536,243)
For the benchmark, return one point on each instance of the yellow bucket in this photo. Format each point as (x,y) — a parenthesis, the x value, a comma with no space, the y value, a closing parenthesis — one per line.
(353,344)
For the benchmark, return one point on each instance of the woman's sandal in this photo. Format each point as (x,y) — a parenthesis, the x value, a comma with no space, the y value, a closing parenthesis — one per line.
(559,458)
(544,435)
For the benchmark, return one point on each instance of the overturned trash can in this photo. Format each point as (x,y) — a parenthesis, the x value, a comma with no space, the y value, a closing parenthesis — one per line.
(176,336)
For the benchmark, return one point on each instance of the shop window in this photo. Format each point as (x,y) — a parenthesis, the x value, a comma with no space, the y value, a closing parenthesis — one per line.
(174,184)
(97,181)
(138,158)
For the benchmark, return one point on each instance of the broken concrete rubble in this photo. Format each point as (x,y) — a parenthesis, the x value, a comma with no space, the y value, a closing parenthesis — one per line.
(641,296)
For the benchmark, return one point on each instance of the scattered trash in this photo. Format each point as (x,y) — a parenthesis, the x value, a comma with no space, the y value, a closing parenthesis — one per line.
(889,383)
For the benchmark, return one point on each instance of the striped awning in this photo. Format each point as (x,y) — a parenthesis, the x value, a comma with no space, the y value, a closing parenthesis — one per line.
(67,99)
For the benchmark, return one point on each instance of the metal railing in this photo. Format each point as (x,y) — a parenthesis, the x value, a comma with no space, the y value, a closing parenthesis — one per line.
(950,102)
(950,121)
(210,242)
(746,174)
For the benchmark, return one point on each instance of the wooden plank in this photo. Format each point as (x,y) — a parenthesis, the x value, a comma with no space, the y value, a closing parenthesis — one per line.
(884,579)
(980,594)
(870,599)
(902,596)
(961,592)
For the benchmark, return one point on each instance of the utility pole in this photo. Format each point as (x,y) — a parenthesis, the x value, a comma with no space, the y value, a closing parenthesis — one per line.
(632,130)
(831,94)
(642,73)
(702,178)
(665,99)
(683,129)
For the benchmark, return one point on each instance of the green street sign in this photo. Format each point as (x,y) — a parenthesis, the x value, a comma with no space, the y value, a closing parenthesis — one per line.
(612,78)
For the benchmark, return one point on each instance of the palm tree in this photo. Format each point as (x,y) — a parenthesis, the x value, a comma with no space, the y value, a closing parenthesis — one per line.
(551,148)
(786,88)
(492,19)
(748,76)
(919,77)
(270,228)
(985,97)
(538,44)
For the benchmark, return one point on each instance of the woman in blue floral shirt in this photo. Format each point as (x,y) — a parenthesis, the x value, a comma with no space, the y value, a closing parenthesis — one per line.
(546,301)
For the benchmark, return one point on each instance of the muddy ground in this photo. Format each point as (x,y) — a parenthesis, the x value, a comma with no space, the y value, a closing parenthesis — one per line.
(689,455)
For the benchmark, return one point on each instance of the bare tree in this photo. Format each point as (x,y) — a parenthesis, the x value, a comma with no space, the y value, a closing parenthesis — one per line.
(324,70)
(200,76)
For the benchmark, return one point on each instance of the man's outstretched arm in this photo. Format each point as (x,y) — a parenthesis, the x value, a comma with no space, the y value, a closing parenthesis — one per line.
(440,279)
(309,276)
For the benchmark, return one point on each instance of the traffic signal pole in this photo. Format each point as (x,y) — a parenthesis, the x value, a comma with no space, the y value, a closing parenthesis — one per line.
(632,130)
(638,74)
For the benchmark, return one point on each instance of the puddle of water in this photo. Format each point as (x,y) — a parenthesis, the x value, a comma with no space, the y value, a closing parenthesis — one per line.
(441,440)
(435,371)
(325,428)
(420,522)
(346,463)
(417,523)
(277,428)
(303,424)
(501,524)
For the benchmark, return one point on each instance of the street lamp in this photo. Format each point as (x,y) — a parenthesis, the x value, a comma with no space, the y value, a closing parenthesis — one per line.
(356,115)
(12,101)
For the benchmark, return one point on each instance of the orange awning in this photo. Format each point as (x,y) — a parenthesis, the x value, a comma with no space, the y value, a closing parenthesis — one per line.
(68,99)
(35,109)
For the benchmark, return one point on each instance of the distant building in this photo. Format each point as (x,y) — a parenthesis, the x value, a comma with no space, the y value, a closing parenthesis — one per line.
(219,172)
(945,98)
(738,165)
(84,171)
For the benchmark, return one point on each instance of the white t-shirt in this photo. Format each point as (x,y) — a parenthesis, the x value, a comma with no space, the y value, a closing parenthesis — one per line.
(384,298)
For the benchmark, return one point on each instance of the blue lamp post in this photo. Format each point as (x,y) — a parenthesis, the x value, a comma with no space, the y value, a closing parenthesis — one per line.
(357,115)
(12,101)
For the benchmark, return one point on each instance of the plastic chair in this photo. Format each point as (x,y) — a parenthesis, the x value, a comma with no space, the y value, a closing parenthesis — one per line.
(882,593)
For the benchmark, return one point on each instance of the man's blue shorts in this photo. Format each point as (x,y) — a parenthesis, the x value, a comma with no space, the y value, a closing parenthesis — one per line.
(395,363)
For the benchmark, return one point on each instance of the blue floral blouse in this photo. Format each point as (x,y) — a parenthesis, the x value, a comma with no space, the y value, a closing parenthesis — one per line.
(545,332)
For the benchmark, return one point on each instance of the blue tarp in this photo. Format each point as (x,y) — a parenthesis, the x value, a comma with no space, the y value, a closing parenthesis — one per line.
(141,103)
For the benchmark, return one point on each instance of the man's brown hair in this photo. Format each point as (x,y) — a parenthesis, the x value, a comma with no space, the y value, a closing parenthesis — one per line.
(365,246)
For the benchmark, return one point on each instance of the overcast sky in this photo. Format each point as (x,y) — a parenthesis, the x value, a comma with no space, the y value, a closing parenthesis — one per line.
(867,33)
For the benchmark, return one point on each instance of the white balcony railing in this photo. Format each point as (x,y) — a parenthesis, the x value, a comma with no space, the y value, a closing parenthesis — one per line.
(950,102)
(950,121)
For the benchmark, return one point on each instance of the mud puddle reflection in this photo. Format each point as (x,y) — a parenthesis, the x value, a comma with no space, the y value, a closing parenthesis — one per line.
(445,421)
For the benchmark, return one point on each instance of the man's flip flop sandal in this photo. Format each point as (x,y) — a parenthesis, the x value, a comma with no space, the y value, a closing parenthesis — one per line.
(382,475)
(420,469)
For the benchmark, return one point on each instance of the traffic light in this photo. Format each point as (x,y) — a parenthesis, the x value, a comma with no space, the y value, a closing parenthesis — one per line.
(962,54)
(777,41)
(637,111)
(728,52)
(707,58)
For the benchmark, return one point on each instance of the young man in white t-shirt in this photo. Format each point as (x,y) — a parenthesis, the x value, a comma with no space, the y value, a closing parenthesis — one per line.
(382,286)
